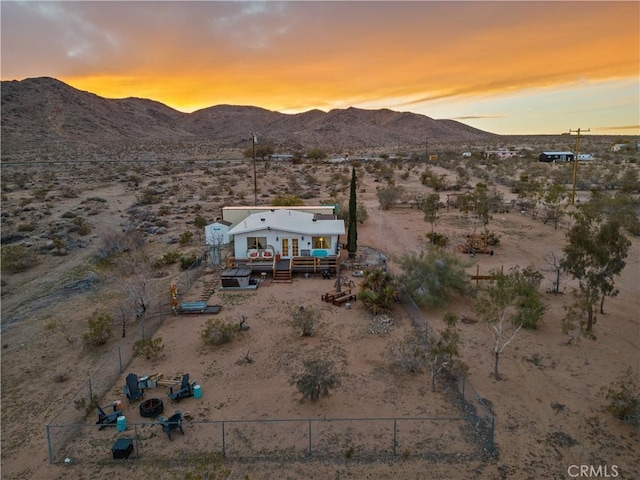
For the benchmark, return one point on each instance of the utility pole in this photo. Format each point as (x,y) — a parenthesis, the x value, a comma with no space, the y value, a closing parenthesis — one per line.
(254,140)
(426,149)
(575,163)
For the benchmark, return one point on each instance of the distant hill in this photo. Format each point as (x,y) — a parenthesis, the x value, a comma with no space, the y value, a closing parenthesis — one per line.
(45,113)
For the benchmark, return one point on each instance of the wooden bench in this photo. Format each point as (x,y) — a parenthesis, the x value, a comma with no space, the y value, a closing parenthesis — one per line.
(344,298)
(329,296)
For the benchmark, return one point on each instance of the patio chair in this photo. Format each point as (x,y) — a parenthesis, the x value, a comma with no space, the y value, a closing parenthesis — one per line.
(185,390)
(132,388)
(111,418)
(172,423)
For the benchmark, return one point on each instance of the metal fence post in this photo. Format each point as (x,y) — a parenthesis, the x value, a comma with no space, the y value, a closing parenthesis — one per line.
(120,359)
(49,446)
(135,430)
(491,440)
(395,436)
(224,447)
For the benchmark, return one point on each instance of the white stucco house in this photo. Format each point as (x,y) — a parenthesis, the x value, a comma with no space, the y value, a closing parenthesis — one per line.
(287,234)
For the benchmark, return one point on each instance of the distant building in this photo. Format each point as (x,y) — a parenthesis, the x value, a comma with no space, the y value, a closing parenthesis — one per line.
(585,157)
(466,154)
(501,154)
(553,157)
(618,147)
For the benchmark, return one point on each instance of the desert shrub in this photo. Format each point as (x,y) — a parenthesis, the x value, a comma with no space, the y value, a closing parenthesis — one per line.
(438,239)
(148,196)
(623,398)
(99,329)
(316,379)
(61,376)
(287,201)
(305,320)
(187,261)
(60,327)
(185,238)
(17,258)
(168,258)
(26,227)
(148,348)
(377,291)
(89,407)
(219,331)
(410,352)
(83,226)
(69,214)
(164,210)
(200,221)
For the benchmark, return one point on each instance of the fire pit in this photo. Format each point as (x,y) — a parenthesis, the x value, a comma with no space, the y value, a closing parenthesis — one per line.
(151,408)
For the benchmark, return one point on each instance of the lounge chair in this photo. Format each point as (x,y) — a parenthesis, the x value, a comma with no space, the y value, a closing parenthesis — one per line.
(111,418)
(172,423)
(185,390)
(132,388)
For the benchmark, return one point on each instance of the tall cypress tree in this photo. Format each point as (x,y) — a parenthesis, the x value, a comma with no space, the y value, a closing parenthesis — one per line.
(352,232)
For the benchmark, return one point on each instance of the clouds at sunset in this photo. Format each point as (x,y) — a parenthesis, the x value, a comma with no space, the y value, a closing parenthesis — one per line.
(433,58)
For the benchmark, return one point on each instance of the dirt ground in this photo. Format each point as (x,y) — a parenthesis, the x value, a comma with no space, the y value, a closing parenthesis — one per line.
(549,413)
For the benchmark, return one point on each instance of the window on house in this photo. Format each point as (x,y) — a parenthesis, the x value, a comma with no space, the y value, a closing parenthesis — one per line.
(321,242)
(257,242)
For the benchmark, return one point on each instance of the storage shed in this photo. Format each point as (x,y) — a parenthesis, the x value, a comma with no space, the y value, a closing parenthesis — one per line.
(217,233)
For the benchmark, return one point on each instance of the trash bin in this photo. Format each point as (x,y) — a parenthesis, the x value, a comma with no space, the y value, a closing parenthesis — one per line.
(121,424)
(347,305)
(197,391)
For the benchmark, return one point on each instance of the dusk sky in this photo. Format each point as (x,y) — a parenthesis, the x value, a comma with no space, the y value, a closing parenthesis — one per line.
(505,67)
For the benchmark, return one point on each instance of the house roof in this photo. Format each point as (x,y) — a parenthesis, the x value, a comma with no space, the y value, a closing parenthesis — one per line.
(557,153)
(288,221)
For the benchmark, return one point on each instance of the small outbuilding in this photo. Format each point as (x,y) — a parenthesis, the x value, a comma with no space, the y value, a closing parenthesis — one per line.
(553,157)
(217,233)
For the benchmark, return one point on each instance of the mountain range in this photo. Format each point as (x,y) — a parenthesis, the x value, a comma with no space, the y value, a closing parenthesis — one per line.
(45,113)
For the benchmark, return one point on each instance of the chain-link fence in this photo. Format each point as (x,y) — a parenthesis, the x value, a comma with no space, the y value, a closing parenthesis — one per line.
(83,402)
(477,410)
(278,439)
(467,436)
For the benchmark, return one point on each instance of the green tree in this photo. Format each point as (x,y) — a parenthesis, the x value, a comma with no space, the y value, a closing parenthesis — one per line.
(595,253)
(430,207)
(352,232)
(432,276)
(443,353)
(388,196)
(497,307)
(554,202)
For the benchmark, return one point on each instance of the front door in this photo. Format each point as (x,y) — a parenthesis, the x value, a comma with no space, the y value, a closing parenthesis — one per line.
(289,247)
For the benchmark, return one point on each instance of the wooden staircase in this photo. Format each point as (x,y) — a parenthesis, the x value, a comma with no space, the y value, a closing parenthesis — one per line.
(282,273)
(282,276)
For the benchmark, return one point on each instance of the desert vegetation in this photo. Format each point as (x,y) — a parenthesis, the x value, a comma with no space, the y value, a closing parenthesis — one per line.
(86,259)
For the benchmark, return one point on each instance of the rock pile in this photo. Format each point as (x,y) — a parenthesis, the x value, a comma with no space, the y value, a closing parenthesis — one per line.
(381,324)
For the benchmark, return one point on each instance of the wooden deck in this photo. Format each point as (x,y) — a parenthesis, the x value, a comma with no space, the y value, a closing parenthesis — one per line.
(283,269)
